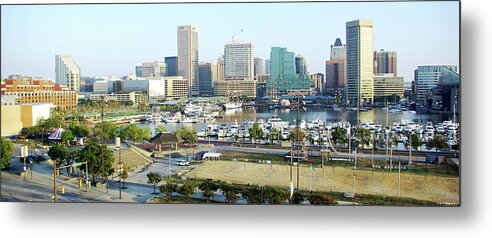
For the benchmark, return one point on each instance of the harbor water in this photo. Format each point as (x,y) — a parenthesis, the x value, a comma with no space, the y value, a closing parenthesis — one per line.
(309,114)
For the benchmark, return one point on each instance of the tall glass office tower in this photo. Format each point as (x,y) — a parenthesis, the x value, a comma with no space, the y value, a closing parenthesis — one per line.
(360,48)
(188,56)
(283,77)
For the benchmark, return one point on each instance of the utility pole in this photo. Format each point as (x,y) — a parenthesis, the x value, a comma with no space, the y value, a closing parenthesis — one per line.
(410,151)
(298,143)
(120,165)
(170,170)
(54,180)
(399,174)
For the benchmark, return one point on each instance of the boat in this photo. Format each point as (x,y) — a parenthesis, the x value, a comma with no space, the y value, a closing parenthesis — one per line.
(188,120)
(192,108)
(233,105)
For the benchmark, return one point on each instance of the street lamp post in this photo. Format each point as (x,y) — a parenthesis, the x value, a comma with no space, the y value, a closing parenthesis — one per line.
(120,165)
(103,99)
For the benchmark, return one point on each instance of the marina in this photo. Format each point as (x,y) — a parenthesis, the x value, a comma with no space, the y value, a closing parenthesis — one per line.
(214,123)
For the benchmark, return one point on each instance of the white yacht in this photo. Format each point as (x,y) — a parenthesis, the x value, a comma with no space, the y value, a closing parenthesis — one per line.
(233,105)
(189,120)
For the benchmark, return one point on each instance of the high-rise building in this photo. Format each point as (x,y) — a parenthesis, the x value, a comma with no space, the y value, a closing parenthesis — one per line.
(172,65)
(301,65)
(430,76)
(338,50)
(238,60)
(385,62)
(220,68)
(235,88)
(188,56)
(388,85)
(151,69)
(318,80)
(259,66)
(207,74)
(335,71)
(67,72)
(360,48)
(267,66)
(283,77)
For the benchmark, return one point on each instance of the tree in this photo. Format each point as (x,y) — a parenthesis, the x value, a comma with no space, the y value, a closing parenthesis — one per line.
(154,178)
(208,189)
(186,135)
(276,195)
(230,192)
(293,135)
(50,123)
(6,149)
(66,136)
(169,189)
(105,131)
(160,129)
(438,142)
(319,199)
(187,190)
(58,153)
(274,133)
(135,133)
(256,132)
(416,143)
(363,136)
(99,159)
(252,194)
(79,130)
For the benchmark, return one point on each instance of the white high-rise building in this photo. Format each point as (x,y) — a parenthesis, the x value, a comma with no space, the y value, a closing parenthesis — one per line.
(259,66)
(239,60)
(360,48)
(67,72)
(188,56)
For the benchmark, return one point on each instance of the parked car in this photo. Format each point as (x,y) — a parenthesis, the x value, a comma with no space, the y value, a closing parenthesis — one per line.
(183,163)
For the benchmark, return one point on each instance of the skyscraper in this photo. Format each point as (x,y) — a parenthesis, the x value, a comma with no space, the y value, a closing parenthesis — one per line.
(188,56)
(385,62)
(172,65)
(207,74)
(318,79)
(267,66)
(239,60)
(259,66)
(67,72)
(335,71)
(283,78)
(360,48)
(220,68)
(301,65)
(151,69)
(338,50)
(430,76)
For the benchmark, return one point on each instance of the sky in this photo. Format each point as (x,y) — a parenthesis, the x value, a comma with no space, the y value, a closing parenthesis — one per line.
(111,39)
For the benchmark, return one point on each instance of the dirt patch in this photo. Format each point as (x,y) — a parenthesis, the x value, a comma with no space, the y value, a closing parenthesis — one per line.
(336,179)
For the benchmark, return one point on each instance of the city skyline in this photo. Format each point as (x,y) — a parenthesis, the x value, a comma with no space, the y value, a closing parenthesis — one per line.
(127,45)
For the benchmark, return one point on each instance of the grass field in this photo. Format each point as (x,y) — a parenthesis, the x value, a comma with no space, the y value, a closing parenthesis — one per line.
(333,179)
